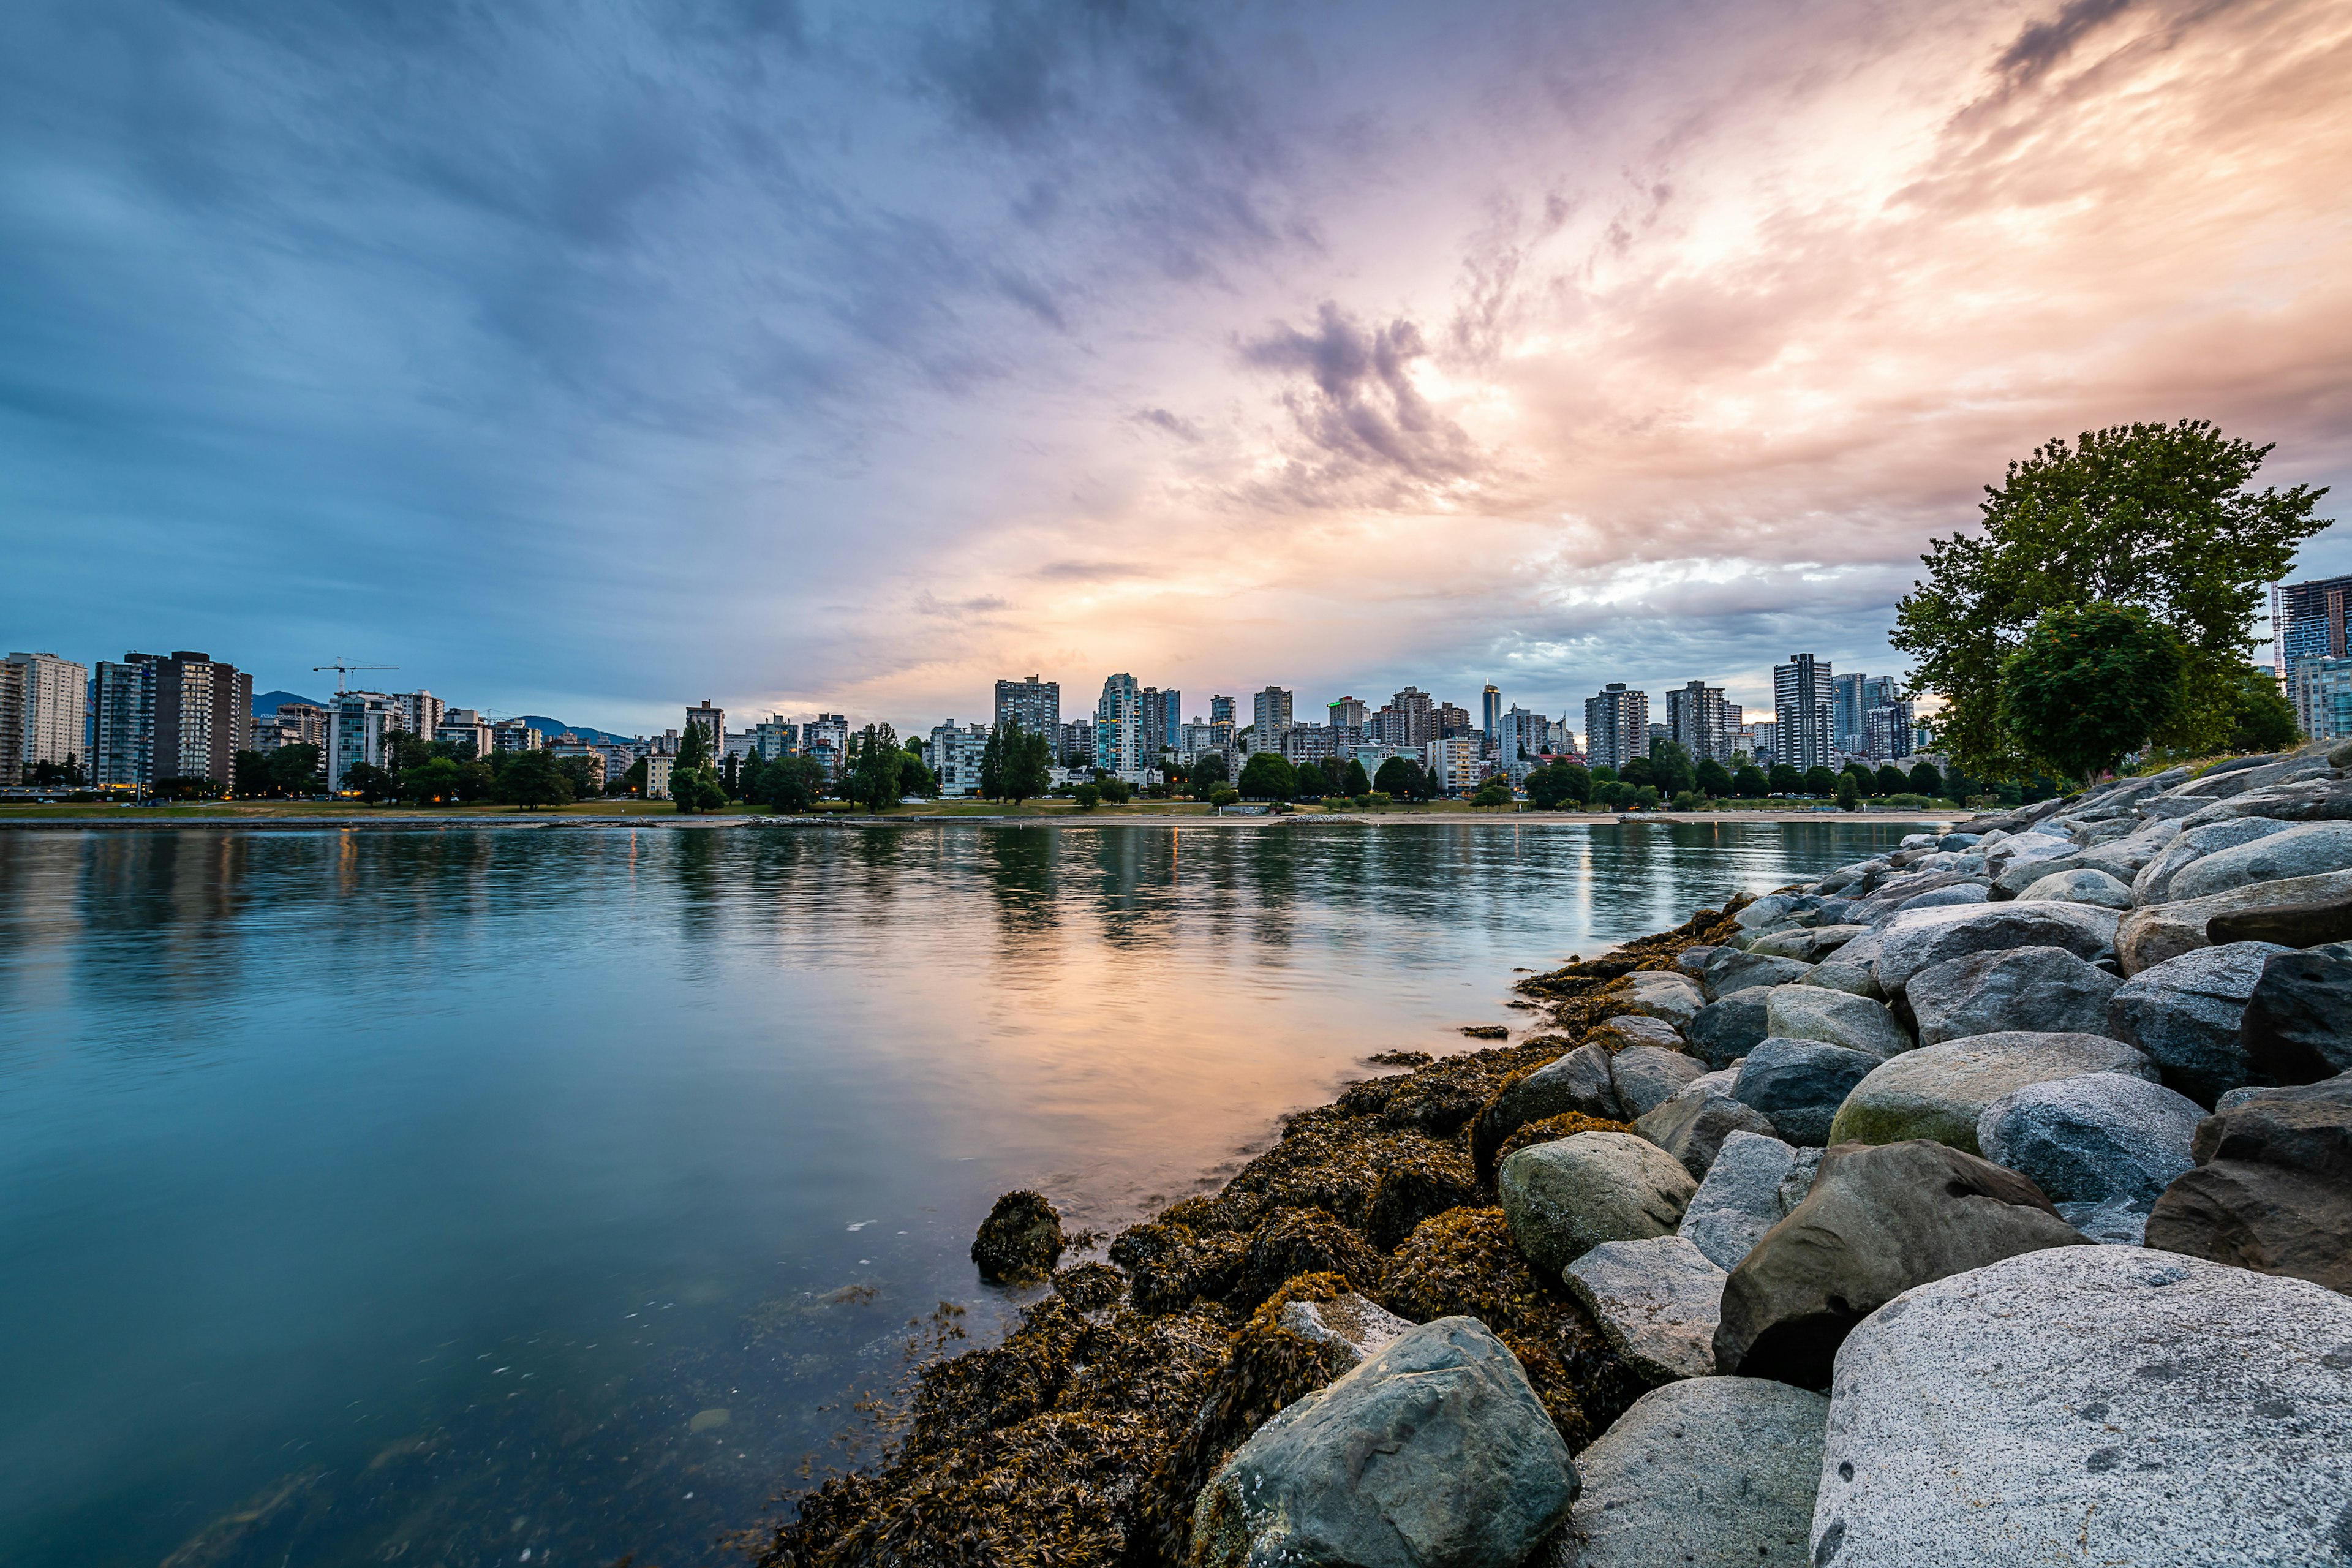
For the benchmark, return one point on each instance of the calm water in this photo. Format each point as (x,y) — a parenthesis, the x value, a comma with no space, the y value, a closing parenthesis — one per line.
(539,1194)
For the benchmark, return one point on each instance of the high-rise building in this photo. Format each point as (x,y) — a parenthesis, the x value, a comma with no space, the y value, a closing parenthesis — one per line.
(1452,763)
(1518,733)
(2321,690)
(1616,725)
(713,721)
(2307,621)
(1490,711)
(357,725)
(1078,744)
(514,735)
(1879,690)
(956,748)
(1163,719)
(1453,721)
(1221,707)
(1846,708)
(1767,749)
(1699,720)
(203,710)
(122,755)
(56,702)
(1347,713)
(1034,704)
(1270,712)
(1413,718)
(1887,732)
(1119,726)
(774,737)
(1803,711)
(464,728)
(1308,743)
(420,713)
(12,724)
(826,738)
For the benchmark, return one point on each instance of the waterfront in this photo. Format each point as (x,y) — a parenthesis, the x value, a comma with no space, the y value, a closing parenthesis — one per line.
(425,1195)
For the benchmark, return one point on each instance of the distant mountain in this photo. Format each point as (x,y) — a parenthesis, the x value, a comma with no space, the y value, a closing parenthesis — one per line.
(266,703)
(547,726)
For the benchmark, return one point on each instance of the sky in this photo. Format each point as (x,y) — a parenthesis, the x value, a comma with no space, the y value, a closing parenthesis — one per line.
(592,359)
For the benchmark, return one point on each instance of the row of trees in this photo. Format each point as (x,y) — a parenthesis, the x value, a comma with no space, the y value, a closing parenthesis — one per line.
(1668,774)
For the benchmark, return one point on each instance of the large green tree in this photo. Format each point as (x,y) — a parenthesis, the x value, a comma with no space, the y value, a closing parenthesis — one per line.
(877,768)
(1399,778)
(1024,763)
(294,769)
(1266,776)
(532,779)
(2162,515)
(1671,768)
(793,784)
(693,781)
(2090,683)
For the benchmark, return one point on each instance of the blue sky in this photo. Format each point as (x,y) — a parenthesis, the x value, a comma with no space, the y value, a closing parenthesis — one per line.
(593,360)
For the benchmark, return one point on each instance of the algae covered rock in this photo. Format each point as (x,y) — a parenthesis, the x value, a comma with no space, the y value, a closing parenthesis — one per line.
(1302,1241)
(1940,1092)
(1020,1241)
(1354,1326)
(1657,1302)
(1718,1472)
(1433,1453)
(1878,1220)
(2092,1405)
(1564,1199)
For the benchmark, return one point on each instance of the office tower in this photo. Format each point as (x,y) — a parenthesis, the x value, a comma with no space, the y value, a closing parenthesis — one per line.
(1616,725)
(55,703)
(1518,733)
(713,721)
(1034,704)
(420,713)
(2307,621)
(1147,713)
(1221,708)
(1801,710)
(1888,731)
(357,724)
(1490,711)
(1699,720)
(1347,713)
(122,755)
(1172,718)
(1270,713)
(1846,710)
(1119,725)
(465,728)
(204,710)
(1411,719)
(2321,690)
(1879,690)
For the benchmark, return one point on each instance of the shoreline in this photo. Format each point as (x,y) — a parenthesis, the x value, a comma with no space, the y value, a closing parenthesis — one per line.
(126,819)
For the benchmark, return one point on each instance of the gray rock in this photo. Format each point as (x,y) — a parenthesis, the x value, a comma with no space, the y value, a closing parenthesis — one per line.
(1809,945)
(1718,1472)
(1692,962)
(1580,1081)
(2025,849)
(1563,1199)
(1955,893)
(1877,1222)
(2186,1014)
(1738,970)
(2103,1140)
(2314,800)
(1853,968)
(1940,1092)
(2092,1405)
(1741,1198)
(1729,1027)
(2153,883)
(2150,935)
(1717,1081)
(1353,1326)
(2084,884)
(1800,1084)
(2272,1187)
(1433,1452)
(1920,939)
(2308,850)
(1656,1302)
(1672,999)
(1692,1127)
(2046,990)
(1626,1030)
(2298,1027)
(1834,1018)
(2314,924)
(1648,1076)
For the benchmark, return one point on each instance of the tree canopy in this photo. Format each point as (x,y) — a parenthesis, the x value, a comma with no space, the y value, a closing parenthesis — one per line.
(2163,516)
(2090,683)
(877,768)
(1266,776)
(792,785)
(532,779)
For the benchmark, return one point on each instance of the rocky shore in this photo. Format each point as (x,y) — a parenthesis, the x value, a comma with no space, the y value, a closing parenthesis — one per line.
(1985,1203)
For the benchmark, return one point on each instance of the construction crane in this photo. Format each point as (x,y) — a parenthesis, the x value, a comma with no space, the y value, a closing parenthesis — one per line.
(342,672)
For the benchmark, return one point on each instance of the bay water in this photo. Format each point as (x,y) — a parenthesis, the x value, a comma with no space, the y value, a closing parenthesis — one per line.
(538,1194)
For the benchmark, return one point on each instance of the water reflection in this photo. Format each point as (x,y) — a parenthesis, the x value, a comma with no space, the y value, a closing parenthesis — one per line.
(420,1196)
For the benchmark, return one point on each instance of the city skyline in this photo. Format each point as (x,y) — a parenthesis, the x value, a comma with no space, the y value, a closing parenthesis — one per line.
(861,356)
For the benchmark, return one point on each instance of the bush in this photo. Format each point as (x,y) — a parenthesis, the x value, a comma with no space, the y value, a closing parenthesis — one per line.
(1224,794)
(1088,796)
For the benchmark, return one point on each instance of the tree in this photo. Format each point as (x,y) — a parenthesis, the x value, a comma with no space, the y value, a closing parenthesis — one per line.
(1749,783)
(693,785)
(1820,780)
(2162,517)
(793,784)
(1712,778)
(630,782)
(992,762)
(1557,785)
(250,773)
(2265,719)
(1024,763)
(1354,780)
(294,769)
(1864,780)
(1266,776)
(1889,780)
(1115,791)
(1639,771)
(1671,768)
(747,777)
(1209,770)
(369,783)
(1399,778)
(586,778)
(1088,796)
(433,781)
(1927,781)
(875,766)
(1786,780)
(1495,792)
(2089,683)
(1848,791)
(915,776)
(531,780)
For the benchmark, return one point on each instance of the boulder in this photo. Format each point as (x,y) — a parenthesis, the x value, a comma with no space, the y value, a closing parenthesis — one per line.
(1799,1084)
(1564,1199)
(1672,999)
(2095,1405)
(2101,1148)
(2047,990)
(1579,1082)
(1692,962)
(1728,1027)
(1354,1326)
(1957,889)
(2152,934)
(2084,884)
(2153,883)
(1774,910)
(1648,1076)
(1627,1030)
(2311,800)
(1020,1241)
(1718,1472)
(1878,1220)
(1692,1127)
(1656,1302)
(2314,924)
(1738,970)
(1940,1092)
(2272,1187)
(2298,1027)
(1834,1018)
(2308,850)
(1744,1195)
(2185,1014)
(1920,939)
(1434,1451)
(1806,945)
